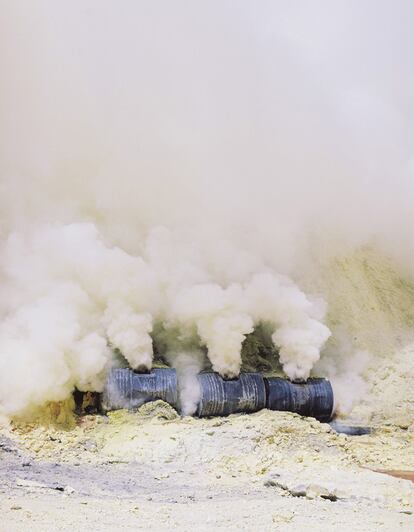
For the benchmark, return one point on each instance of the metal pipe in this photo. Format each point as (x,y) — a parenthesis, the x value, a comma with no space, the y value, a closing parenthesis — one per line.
(350,430)
(126,389)
(248,393)
(313,398)
(220,397)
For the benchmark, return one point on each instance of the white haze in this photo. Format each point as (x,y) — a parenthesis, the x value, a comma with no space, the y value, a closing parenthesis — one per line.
(180,167)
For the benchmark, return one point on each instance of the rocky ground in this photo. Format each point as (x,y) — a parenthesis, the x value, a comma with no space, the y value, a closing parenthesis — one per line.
(152,470)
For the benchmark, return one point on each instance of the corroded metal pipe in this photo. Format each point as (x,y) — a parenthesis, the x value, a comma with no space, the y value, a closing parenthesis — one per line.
(313,398)
(126,389)
(220,397)
(350,430)
(248,393)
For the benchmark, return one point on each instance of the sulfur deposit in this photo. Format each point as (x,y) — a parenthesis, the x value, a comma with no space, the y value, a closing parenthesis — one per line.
(295,466)
(144,217)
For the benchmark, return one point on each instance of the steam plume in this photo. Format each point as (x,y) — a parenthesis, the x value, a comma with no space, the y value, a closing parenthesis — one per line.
(177,174)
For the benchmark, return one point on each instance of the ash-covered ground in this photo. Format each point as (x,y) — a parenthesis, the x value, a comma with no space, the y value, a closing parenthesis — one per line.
(152,470)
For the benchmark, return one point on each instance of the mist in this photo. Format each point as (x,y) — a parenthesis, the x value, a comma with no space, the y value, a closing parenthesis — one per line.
(179,173)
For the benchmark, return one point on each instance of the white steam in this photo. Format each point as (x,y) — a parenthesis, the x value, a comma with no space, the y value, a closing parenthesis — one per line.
(299,333)
(187,364)
(175,174)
